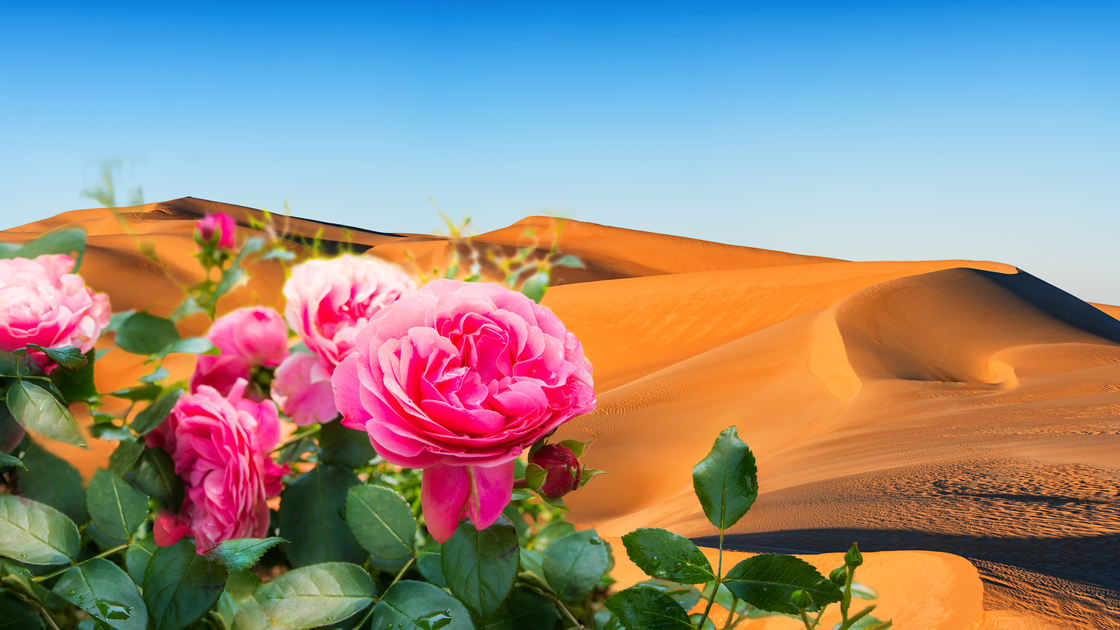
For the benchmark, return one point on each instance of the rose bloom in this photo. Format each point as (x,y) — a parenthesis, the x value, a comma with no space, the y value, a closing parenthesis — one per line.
(458,378)
(328,301)
(41,302)
(248,337)
(219,229)
(220,446)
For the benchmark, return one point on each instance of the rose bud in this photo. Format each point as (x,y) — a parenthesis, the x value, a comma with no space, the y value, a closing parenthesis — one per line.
(839,575)
(853,558)
(561,469)
(217,230)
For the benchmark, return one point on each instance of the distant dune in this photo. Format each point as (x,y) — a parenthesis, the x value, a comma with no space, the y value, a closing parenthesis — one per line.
(964,409)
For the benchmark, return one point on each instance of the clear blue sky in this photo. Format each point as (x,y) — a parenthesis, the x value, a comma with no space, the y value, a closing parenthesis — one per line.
(857,130)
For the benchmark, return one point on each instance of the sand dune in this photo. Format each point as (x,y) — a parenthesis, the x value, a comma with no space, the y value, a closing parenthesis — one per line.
(956,407)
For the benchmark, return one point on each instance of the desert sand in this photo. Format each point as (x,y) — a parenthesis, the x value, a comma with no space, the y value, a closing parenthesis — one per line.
(958,419)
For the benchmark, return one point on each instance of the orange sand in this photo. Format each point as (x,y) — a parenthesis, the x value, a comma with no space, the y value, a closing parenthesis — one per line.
(954,407)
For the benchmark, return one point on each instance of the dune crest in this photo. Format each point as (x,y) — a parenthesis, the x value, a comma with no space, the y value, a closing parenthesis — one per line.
(963,408)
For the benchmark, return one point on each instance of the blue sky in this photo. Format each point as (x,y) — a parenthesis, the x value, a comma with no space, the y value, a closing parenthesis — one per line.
(863,131)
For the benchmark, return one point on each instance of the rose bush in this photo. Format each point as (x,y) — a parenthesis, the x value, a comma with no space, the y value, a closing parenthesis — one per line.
(458,379)
(42,303)
(220,446)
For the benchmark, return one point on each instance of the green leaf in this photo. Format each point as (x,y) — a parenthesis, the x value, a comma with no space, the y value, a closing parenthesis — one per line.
(241,554)
(311,518)
(190,345)
(667,556)
(524,610)
(863,591)
(481,566)
(420,606)
(157,375)
(308,597)
(102,541)
(429,561)
(52,481)
(535,287)
(233,274)
(180,585)
(144,333)
(188,307)
(114,506)
(69,357)
(154,414)
(726,481)
(103,590)
(137,557)
(569,261)
(77,385)
(574,564)
(70,241)
(142,392)
(382,521)
(34,533)
(15,614)
(116,319)
(11,461)
(9,364)
(551,532)
(346,447)
(684,594)
(644,608)
(125,455)
(36,409)
(155,474)
(768,580)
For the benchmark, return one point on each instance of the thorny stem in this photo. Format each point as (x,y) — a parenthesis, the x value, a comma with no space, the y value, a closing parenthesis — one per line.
(715,588)
(43,578)
(805,619)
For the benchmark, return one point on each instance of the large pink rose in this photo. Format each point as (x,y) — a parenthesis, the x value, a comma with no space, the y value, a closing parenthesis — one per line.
(220,446)
(248,337)
(41,302)
(458,378)
(328,301)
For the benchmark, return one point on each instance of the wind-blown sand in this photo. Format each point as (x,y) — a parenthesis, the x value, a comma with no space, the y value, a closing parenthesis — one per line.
(965,409)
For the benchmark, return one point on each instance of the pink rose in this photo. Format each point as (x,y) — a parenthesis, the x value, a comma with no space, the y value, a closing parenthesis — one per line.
(41,302)
(218,230)
(302,389)
(248,337)
(458,378)
(328,301)
(221,448)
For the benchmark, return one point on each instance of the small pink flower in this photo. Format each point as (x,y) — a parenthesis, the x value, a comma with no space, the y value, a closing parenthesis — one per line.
(220,446)
(328,301)
(248,337)
(458,378)
(301,388)
(217,229)
(41,302)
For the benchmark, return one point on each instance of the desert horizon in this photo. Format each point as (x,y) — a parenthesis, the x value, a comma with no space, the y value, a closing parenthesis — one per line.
(958,419)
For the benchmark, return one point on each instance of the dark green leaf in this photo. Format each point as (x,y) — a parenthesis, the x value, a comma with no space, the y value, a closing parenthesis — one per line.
(114,506)
(382,521)
(9,364)
(70,241)
(242,553)
(190,345)
(34,533)
(667,556)
(51,480)
(125,455)
(15,614)
(137,557)
(69,357)
(180,585)
(481,566)
(103,590)
(553,531)
(429,561)
(684,594)
(10,461)
(102,541)
(155,474)
(154,414)
(768,580)
(346,447)
(116,319)
(144,333)
(644,608)
(76,385)
(524,610)
(420,606)
(535,287)
(308,597)
(574,564)
(726,481)
(157,375)
(142,392)
(311,517)
(36,409)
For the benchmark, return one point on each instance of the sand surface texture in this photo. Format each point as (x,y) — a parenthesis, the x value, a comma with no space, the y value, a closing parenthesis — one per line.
(932,411)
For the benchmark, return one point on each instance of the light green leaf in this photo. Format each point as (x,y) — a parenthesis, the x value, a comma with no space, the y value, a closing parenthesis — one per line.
(69,357)
(308,597)
(382,521)
(70,241)
(36,409)
(137,557)
(190,345)
(480,566)
(34,533)
(574,564)
(103,590)
(241,554)
(144,333)
(535,287)
(726,480)
(665,555)
(114,506)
